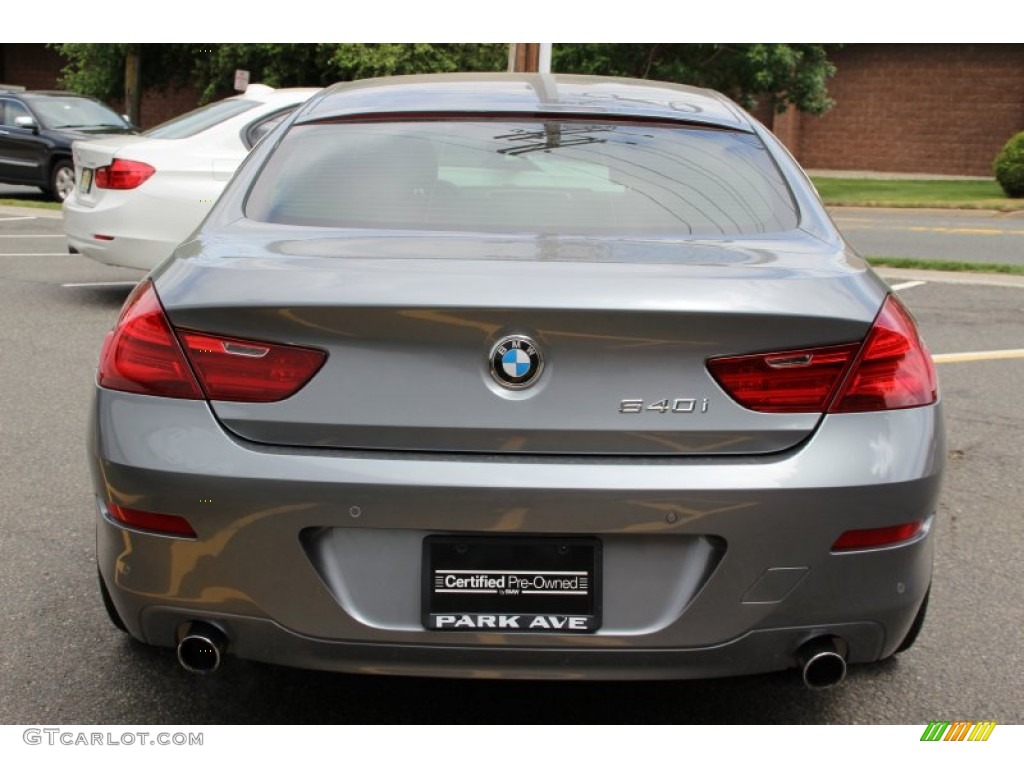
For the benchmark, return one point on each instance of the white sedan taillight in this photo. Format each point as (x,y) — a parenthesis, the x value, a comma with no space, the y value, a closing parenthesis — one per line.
(122,174)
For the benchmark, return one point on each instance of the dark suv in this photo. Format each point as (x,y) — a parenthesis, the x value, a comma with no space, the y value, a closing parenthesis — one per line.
(36,131)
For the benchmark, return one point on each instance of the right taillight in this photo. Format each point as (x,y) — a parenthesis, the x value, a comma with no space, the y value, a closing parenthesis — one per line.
(123,174)
(144,354)
(893,369)
(890,369)
(796,381)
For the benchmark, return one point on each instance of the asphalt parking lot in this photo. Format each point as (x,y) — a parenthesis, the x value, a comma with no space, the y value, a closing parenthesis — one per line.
(62,662)
(987,237)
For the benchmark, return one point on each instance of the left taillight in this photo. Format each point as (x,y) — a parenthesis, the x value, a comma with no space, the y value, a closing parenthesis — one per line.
(122,174)
(141,353)
(247,371)
(144,354)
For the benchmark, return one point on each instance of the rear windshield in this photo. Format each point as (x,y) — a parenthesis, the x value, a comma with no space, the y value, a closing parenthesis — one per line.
(550,177)
(200,119)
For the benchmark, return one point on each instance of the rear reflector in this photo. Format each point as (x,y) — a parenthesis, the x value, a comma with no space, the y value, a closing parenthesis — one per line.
(249,371)
(871,538)
(142,354)
(122,174)
(891,369)
(152,522)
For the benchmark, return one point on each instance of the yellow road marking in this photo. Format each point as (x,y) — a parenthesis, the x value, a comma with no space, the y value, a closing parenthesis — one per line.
(877,224)
(965,231)
(970,357)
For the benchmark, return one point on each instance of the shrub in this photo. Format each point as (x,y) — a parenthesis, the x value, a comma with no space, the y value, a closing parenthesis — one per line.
(1009,166)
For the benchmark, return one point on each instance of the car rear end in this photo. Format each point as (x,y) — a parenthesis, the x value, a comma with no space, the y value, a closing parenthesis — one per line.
(537,393)
(136,198)
(109,219)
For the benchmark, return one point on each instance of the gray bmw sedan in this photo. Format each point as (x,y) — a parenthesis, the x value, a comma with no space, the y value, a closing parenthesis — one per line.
(518,375)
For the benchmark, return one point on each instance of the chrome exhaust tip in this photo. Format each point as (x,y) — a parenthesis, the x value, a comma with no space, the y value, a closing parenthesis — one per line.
(201,647)
(822,662)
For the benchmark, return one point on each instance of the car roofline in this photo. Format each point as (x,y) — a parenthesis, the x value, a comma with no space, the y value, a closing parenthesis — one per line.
(524,94)
(482,115)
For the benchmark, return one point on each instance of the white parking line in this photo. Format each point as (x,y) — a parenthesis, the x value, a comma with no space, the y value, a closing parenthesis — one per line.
(62,253)
(18,218)
(18,237)
(909,284)
(952,278)
(110,284)
(970,357)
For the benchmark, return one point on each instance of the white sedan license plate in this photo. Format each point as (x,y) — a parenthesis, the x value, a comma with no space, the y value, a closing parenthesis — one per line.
(86,183)
(511,584)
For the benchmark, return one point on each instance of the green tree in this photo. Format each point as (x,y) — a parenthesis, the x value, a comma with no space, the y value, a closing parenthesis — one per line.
(1008,166)
(320,64)
(782,72)
(97,69)
(357,60)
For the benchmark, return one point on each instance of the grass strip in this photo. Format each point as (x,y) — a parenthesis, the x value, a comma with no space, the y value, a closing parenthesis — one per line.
(53,206)
(979,194)
(946,266)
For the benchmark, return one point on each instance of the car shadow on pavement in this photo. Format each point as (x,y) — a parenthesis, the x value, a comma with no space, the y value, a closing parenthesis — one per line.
(244,692)
(110,297)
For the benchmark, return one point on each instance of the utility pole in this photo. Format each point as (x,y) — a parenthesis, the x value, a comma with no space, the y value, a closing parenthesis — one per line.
(133,83)
(529,57)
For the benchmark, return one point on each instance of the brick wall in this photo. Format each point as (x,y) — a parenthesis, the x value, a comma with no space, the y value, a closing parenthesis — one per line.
(159,106)
(943,109)
(32,65)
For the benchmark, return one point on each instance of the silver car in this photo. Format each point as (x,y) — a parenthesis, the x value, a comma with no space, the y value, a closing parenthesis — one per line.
(518,376)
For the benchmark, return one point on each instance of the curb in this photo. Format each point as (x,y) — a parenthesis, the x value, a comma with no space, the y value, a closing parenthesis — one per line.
(955,278)
(836,209)
(835,173)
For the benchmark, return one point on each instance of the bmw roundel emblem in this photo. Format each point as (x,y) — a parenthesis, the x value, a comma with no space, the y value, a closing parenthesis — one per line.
(516,362)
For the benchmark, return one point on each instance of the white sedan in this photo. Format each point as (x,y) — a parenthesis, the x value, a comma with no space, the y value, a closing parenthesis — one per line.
(137,197)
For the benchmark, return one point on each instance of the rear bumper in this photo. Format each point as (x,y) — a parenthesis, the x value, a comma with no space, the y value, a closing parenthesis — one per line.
(144,229)
(713,567)
(756,652)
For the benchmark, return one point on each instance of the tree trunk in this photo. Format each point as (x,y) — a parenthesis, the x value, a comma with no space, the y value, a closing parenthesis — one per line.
(133,84)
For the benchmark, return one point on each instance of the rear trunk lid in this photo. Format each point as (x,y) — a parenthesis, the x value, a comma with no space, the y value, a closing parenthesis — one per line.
(624,328)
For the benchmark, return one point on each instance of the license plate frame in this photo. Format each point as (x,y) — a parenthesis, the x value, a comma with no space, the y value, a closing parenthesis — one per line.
(512,584)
